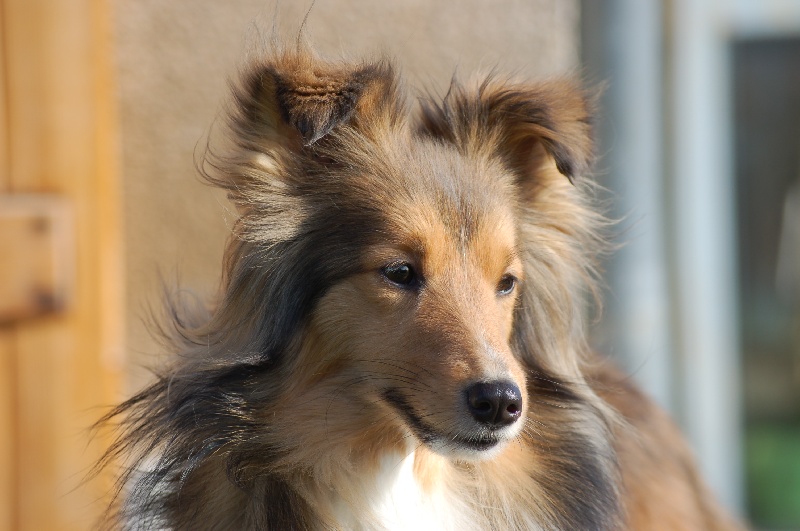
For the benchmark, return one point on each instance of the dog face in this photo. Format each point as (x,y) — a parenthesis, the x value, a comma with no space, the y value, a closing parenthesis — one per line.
(425,325)
(407,241)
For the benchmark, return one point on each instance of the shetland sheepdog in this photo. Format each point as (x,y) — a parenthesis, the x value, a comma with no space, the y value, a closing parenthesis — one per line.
(399,339)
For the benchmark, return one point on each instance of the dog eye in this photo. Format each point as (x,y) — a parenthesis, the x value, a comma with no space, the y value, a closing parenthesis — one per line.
(401,273)
(506,284)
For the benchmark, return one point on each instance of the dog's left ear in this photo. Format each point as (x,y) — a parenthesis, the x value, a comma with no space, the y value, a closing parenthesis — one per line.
(518,120)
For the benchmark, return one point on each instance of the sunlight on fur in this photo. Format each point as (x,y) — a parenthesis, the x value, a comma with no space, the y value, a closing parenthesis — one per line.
(399,340)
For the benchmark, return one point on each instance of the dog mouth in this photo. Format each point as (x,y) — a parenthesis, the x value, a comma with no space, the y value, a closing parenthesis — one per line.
(478,442)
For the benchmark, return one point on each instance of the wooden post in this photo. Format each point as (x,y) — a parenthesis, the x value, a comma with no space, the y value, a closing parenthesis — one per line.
(58,135)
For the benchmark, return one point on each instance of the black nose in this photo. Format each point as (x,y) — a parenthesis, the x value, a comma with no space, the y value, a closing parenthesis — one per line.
(497,404)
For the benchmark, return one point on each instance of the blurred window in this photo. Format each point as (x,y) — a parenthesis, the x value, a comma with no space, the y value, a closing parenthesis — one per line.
(766,89)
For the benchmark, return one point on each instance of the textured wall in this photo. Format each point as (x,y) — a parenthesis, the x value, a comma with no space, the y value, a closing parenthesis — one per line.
(174,61)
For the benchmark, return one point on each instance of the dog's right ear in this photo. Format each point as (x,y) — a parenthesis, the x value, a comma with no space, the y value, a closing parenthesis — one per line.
(297,100)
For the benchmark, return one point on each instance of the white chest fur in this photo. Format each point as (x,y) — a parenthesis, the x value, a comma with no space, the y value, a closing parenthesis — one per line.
(394,499)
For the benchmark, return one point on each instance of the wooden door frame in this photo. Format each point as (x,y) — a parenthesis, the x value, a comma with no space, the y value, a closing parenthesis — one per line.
(59,135)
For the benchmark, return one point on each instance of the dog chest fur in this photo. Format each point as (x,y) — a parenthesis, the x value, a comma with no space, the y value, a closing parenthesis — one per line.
(398,500)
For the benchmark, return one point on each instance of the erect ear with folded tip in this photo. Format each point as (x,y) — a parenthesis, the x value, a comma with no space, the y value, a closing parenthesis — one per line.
(301,99)
(523,121)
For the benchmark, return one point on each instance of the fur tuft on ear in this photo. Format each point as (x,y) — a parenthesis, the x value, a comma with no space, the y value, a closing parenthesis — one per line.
(315,102)
(513,119)
(304,98)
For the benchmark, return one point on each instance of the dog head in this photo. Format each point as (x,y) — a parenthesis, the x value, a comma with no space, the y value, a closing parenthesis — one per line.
(418,272)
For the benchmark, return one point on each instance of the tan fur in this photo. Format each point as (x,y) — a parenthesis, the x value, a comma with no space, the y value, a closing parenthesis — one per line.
(663,489)
(323,393)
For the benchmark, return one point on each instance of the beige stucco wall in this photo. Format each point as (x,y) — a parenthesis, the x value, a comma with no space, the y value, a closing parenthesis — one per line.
(174,60)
